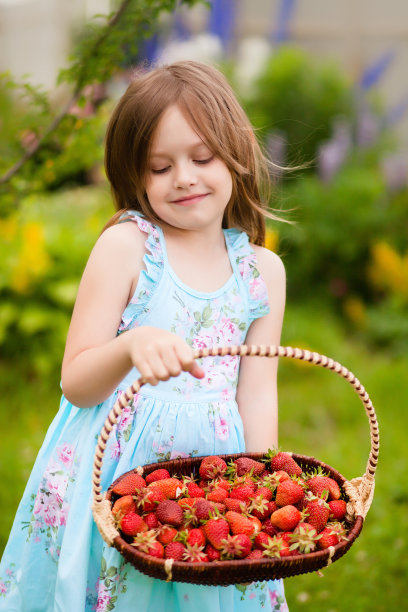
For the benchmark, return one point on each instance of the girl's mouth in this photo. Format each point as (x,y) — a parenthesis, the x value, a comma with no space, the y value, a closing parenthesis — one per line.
(189,200)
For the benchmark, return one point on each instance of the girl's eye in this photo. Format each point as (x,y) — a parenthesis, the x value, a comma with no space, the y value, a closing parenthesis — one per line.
(204,161)
(160,170)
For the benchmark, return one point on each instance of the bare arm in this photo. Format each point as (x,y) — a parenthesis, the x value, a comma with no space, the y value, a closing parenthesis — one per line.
(257,395)
(96,359)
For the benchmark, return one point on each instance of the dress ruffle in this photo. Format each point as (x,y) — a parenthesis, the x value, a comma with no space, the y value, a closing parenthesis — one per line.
(149,278)
(246,261)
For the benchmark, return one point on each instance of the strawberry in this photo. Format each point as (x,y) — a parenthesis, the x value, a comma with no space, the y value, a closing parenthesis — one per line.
(211,467)
(123,505)
(147,499)
(156,550)
(203,508)
(129,484)
(197,536)
(132,523)
(212,553)
(334,489)
(194,490)
(147,543)
(239,523)
(288,492)
(235,504)
(221,482)
(166,534)
(276,548)
(261,508)
(255,554)
(286,518)
(170,487)
(216,530)
(194,554)
(151,520)
(168,511)
(257,525)
(338,508)
(174,550)
(235,546)
(268,528)
(159,474)
(245,465)
(285,462)
(217,495)
(243,493)
(261,540)
(265,492)
(319,486)
(187,502)
(304,538)
(317,512)
(328,537)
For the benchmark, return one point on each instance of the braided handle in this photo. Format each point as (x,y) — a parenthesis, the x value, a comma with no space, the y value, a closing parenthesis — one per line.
(360,490)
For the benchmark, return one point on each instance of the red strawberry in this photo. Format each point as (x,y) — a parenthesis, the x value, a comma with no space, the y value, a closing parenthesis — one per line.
(304,538)
(212,553)
(285,462)
(276,548)
(129,484)
(168,511)
(243,493)
(159,474)
(155,550)
(194,490)
(338,508)
(317,512)
(319,486)
(240,523)
(151,520)
(123,505)
(174,550)
(286,518)
(216,530)
(334,489)
(261,508)
(221,482)
(132,523)
(328,537)
(203,508)
(170,487)
(288,492)
(217,495)
(236,546)
(268,528)
(255,554)
(261,540)
(166,534)
(235,504)
(197,536)
(194,554)
(245,465)
(266,493)
(187,502)
(147,499)
(211,467)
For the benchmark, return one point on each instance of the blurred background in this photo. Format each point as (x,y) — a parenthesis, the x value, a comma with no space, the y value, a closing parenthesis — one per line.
(323,83)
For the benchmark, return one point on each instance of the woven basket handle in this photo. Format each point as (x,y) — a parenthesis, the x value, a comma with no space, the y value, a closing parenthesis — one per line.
(360,490)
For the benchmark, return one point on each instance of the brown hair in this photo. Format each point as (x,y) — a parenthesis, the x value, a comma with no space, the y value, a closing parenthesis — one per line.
(209,104)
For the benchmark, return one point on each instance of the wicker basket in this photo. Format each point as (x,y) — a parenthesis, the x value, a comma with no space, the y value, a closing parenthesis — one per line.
(358,491)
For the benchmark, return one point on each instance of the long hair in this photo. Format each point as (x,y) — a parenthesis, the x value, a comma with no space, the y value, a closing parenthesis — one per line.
(209,104)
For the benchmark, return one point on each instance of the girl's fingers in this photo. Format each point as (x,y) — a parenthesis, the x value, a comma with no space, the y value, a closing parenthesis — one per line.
(197,370)
(188,363)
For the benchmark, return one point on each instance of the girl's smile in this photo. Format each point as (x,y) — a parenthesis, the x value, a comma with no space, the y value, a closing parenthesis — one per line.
(188,187)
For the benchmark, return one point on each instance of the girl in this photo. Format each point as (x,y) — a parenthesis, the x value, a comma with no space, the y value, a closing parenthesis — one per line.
(180,266)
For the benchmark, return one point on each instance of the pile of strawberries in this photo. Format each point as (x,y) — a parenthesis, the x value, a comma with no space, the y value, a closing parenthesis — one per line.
(247,509)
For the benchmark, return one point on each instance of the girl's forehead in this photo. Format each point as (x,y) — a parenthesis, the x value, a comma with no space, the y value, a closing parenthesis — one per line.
(174,129)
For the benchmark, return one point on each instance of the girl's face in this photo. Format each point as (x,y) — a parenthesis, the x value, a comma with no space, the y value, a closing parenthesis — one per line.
(187,186)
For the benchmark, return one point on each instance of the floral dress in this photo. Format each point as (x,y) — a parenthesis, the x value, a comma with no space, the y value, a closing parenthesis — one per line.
(55,559)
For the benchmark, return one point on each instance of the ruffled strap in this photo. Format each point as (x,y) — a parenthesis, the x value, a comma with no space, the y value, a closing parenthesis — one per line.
(245,261)
(149,277)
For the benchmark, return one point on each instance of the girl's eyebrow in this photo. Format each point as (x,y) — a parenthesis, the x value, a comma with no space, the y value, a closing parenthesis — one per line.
(193,148)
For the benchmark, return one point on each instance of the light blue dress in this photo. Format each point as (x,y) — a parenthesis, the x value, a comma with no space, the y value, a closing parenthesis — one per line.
(56,560)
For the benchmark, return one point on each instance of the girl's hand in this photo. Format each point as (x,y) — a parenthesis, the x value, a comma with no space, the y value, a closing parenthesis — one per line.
(159,354)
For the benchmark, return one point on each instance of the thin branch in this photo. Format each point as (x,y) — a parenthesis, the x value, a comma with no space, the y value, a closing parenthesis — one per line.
(75,96)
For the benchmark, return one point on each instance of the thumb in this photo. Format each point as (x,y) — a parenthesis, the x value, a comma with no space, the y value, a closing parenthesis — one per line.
(197,371)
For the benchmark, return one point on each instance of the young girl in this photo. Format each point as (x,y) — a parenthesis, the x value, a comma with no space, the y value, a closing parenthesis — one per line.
(180,266)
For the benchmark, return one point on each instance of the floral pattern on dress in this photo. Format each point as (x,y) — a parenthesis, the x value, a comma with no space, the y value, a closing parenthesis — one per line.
(111,582)
(122,430)
(49,507)
(258,291)
(8,581)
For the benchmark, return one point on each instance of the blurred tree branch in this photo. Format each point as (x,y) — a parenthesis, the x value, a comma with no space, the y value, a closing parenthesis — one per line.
(103,47)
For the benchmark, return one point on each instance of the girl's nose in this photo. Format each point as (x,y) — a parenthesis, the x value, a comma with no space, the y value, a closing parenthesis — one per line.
(184,176)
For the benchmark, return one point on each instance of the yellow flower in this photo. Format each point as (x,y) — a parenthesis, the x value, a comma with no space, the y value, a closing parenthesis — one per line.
(388,270)
(355,310)
(271,239)
(8,228)
(33,260)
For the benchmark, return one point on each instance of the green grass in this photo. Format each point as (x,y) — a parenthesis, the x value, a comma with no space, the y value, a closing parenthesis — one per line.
(320,415)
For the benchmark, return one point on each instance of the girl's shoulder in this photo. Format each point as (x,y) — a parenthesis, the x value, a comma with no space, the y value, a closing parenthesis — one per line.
(270,266)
